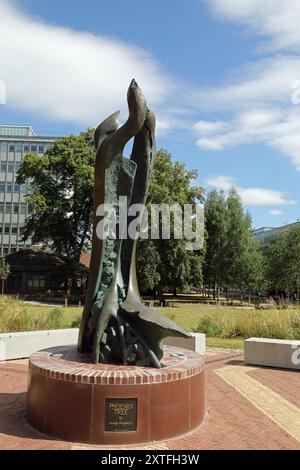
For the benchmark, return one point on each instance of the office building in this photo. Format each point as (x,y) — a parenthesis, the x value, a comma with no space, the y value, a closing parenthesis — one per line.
(15,143)
(267,235)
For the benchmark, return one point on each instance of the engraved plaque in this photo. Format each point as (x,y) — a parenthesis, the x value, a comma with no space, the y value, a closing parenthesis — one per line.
(120,414)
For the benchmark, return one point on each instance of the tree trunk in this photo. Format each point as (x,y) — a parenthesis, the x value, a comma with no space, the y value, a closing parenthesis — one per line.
(160,295)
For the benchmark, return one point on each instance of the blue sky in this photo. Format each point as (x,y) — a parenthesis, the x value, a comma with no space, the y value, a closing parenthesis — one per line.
(218,73)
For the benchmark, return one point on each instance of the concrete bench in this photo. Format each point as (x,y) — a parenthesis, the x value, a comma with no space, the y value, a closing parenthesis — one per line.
(22,345)
(273,352)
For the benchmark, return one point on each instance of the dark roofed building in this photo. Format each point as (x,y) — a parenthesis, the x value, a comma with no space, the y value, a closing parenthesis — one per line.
(33,270)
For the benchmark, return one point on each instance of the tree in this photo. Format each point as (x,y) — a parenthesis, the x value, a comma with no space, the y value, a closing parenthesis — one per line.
(283,263)
(4,272)
(215,224)
(233,258)
(172,265)
(61,193)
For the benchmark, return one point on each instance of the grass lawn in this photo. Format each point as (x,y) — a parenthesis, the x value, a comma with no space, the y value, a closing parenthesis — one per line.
(226,343)
(224,327)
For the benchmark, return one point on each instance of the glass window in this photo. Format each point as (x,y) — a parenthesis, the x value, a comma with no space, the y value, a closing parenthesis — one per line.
(41,148)
(13,250)
(18,164)
(1,228)
(1,207)
(8,208)
(36,282)
(26,148)
(11,147)
(14,230)
(3,166)
(23,188)
(5,251)
(2,187)
(33,148)
(19,147)
(9,187)
(6,229)
(23,208)
(30,208)
(11,167)
(16,208)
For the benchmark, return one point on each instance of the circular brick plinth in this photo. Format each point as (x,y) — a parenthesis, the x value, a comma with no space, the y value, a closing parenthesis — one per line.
(75,400)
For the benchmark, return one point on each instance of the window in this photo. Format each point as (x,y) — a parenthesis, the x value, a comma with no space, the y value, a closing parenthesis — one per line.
(30,208)
(36,282)
(14,230)
(6,230)
(18,164)
(33,148)
(23,188)
(1,207)
(16,208)
(13,250)
(2,187)
(26,148)
(19,147)
(9,187)
(5,250)
(41,149)
(23,208)
(11,167)
(17,188)
(8,208)
(11,148)
(3,166)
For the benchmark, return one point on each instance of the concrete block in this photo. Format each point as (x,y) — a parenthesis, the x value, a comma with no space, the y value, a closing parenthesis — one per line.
(273,352)
(21,345)
(195,343)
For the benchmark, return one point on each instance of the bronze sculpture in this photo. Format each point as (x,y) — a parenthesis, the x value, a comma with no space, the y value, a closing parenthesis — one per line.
(116,326)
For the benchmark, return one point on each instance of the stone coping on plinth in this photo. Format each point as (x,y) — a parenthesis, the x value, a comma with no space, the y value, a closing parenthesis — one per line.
(64,363)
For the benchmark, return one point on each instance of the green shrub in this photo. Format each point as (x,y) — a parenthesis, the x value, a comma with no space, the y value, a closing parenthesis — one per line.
(251,323)
(76,322)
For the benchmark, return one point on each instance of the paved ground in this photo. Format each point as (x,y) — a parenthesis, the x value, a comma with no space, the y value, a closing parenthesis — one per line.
(247,408)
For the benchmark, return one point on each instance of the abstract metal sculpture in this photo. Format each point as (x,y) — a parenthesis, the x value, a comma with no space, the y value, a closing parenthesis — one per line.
(116,326)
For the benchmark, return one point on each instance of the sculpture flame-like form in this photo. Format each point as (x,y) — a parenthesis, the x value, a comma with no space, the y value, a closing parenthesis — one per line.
(116,326)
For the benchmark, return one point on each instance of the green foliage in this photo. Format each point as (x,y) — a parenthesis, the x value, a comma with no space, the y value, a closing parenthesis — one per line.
(76,322)
(17,316)
(252,323)
(4,272)
(233,258)
(283,262)
(55,319)
(168,263)
(61,192)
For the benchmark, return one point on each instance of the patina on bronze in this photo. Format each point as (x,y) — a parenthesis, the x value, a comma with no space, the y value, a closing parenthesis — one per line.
(116,326)
(120,414)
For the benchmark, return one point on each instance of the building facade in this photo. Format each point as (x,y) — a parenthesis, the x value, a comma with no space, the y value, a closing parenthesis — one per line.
(267,235)
(15,143)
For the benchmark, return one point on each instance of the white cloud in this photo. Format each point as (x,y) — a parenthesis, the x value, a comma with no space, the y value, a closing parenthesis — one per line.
(275,212)
(273,127)
(260,97)
(208,126)
(277,20)
(251,196)
(71,76)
